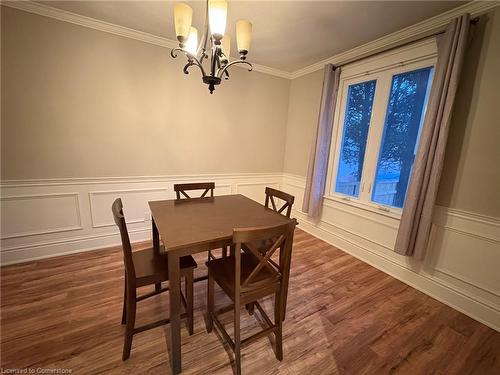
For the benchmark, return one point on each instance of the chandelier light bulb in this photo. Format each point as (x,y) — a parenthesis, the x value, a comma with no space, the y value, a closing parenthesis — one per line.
(192,42)
(217,15)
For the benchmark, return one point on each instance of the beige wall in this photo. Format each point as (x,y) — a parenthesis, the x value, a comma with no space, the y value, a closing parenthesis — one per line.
(83,103)
(471,178)
(303,108)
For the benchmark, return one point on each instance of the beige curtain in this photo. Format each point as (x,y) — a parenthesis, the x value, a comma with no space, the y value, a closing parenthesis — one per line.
(416,220)
(318,159)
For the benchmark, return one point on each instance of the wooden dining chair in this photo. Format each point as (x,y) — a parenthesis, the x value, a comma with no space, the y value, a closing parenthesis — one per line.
(183,189)
(246,278)
(182,192)
(146,267)
(271,202)
(271,194)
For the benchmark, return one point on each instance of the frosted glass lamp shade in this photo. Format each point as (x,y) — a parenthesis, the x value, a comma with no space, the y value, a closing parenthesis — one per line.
(192,42)
(226,46)
(217,15)
(243,36)
(183,17)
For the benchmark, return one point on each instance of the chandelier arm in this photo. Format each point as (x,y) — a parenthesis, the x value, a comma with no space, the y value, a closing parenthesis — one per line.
(224,70)
(193,61)
(173,52)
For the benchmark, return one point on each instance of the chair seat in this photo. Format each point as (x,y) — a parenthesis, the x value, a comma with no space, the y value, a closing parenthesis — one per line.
(265,282)
(151,268)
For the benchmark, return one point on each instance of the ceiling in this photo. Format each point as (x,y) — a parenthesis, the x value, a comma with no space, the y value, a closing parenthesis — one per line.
(287,35)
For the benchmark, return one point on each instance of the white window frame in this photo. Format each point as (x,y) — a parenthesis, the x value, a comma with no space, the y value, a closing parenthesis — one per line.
(381,68)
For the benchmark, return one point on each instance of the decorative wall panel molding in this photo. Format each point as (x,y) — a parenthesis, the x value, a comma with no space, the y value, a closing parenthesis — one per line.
(35,214)
(461,268)
(46,217)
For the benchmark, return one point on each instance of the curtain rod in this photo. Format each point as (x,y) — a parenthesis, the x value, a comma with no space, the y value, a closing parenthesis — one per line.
(473,21)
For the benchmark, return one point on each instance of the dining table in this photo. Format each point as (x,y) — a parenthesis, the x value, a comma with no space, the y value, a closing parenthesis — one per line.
(190,226)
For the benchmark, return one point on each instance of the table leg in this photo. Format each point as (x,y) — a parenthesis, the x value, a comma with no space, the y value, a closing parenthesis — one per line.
(156,247)
(175,318)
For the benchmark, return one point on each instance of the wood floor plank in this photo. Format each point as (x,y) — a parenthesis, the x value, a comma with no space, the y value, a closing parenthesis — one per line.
(343,317)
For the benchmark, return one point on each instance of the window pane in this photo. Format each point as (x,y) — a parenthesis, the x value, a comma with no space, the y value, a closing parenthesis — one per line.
(405,113)
(356,123)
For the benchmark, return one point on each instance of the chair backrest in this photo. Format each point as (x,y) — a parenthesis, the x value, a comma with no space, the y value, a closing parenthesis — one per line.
(273,193)
(117,209)
(276,237)
(183,188)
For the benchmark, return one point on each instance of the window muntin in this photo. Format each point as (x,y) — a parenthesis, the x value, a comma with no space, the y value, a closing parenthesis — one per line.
(354,137)
(403,121)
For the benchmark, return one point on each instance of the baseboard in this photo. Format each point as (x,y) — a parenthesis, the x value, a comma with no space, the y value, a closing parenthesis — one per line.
(440,292)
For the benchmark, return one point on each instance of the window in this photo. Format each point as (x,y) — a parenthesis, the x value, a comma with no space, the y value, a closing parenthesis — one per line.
(377,129)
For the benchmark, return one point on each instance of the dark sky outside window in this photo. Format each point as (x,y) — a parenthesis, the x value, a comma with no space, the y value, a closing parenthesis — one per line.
(356,123)
(404,117)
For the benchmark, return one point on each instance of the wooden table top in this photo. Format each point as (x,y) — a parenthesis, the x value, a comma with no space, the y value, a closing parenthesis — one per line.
(188,222)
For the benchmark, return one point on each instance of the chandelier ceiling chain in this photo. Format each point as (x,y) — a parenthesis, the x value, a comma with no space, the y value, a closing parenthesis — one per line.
(219,45)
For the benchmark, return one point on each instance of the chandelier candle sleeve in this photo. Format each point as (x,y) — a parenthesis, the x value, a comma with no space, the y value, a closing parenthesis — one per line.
(183,17)
(217,14)
(243,37)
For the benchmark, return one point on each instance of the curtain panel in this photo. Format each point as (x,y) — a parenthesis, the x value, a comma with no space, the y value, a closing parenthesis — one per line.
(320,148)
(416,220)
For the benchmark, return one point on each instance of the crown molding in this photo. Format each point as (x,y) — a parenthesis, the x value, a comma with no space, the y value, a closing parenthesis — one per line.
(418,30)
(107,27)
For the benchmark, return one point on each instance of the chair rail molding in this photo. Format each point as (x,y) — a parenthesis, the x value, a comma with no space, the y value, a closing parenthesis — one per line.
(461,269)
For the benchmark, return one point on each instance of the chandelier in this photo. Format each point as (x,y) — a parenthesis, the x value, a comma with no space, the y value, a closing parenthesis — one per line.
(214,44)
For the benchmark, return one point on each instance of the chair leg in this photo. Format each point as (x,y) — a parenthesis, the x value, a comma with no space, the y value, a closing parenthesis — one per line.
(188,284)
(237,337)
(250,308)
(124,311)
(278,319)
(129,331)
(210,302)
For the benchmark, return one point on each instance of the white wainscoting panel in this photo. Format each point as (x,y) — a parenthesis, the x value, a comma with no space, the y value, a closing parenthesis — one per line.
(135,203)
(255,190)
(45,218)
(462,265)
(34,214)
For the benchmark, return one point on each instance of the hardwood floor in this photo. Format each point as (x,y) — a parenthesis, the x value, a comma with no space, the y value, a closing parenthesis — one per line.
(343,317)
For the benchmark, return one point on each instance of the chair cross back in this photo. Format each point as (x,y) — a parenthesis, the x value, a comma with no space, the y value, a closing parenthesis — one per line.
(277,237)
(273,193)
(208,187)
